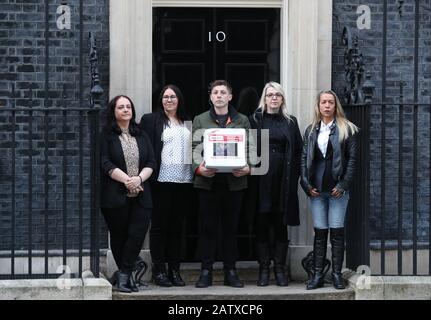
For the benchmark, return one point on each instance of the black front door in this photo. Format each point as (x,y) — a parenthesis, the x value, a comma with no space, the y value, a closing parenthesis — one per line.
(192,47)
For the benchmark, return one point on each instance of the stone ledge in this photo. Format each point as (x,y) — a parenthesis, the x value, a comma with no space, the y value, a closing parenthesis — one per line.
(389,287)
(295,291)
(56,289)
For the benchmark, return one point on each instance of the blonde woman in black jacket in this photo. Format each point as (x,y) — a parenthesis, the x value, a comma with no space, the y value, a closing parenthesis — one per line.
(276,192)
(328,163)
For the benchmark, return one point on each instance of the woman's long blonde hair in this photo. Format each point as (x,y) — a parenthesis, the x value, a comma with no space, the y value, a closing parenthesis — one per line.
(345,127)
(279,88)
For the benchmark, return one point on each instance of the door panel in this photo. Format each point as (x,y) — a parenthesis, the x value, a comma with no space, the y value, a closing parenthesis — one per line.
(246,75)
(183,35)
(246,36)
(251,37)
(194,46)
(182,74)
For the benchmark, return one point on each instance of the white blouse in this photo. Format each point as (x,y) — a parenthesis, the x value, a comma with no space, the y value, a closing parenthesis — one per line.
(323,138)
(176,164)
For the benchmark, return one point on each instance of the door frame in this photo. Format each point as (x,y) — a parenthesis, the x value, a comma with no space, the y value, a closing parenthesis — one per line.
(142,11)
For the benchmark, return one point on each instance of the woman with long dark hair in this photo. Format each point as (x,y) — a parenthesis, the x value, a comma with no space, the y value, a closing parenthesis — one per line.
(276,191)
(127,161)
(327,167)
(171,139)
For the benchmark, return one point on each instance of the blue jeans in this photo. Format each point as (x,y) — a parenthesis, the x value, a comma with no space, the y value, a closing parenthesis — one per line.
(327,211)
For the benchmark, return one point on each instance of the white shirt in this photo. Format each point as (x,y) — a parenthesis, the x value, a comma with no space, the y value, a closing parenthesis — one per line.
(176,161)
(323,138)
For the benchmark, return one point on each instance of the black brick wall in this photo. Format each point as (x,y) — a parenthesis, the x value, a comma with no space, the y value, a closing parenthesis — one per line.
(400,67)
(22,65)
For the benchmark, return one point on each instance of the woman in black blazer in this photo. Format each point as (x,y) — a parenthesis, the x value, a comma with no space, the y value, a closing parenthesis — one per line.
(172,180)
(127,161)
(276,192)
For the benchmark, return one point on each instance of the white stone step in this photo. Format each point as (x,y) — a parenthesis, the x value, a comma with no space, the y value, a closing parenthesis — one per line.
(295,291)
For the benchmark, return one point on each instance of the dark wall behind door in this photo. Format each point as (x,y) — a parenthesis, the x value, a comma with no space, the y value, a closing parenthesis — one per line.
(191,48)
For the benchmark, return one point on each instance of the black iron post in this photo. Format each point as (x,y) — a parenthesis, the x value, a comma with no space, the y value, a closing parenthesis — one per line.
(95,102)
(357,98)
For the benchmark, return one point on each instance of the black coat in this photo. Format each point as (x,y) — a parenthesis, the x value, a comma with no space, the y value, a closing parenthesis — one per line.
(289,205)
(113,193)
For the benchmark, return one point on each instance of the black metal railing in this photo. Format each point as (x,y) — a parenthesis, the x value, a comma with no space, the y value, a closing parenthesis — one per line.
(390,204)
(357,98)
(388,222)
(403,214)
(52,206)
(51,165)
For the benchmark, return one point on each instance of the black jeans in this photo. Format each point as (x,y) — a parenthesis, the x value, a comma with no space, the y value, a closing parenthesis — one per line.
(215,205)
(171,203)
(127,228)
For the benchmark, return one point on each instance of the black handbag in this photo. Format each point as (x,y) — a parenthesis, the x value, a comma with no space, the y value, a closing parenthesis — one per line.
(308,265)
(139,271)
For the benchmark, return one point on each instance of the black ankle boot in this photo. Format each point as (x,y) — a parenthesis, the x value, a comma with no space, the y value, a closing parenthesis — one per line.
(337,244)
(319,250)
(205,279)
(280,276)
(262,250)
(263,280)
(280,254)
(122,280)
(231,279)
(175,278)
(160,277)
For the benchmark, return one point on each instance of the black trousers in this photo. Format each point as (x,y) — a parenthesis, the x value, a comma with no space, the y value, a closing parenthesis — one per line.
(268,223)
(219,204)
(127,228)
(171,203)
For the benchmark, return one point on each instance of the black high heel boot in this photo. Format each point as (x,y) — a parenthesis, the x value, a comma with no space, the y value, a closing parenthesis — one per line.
(319,250)
(231,279)
(205,279)
(262,250)
(337,244)
(280,255)
(122,280)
